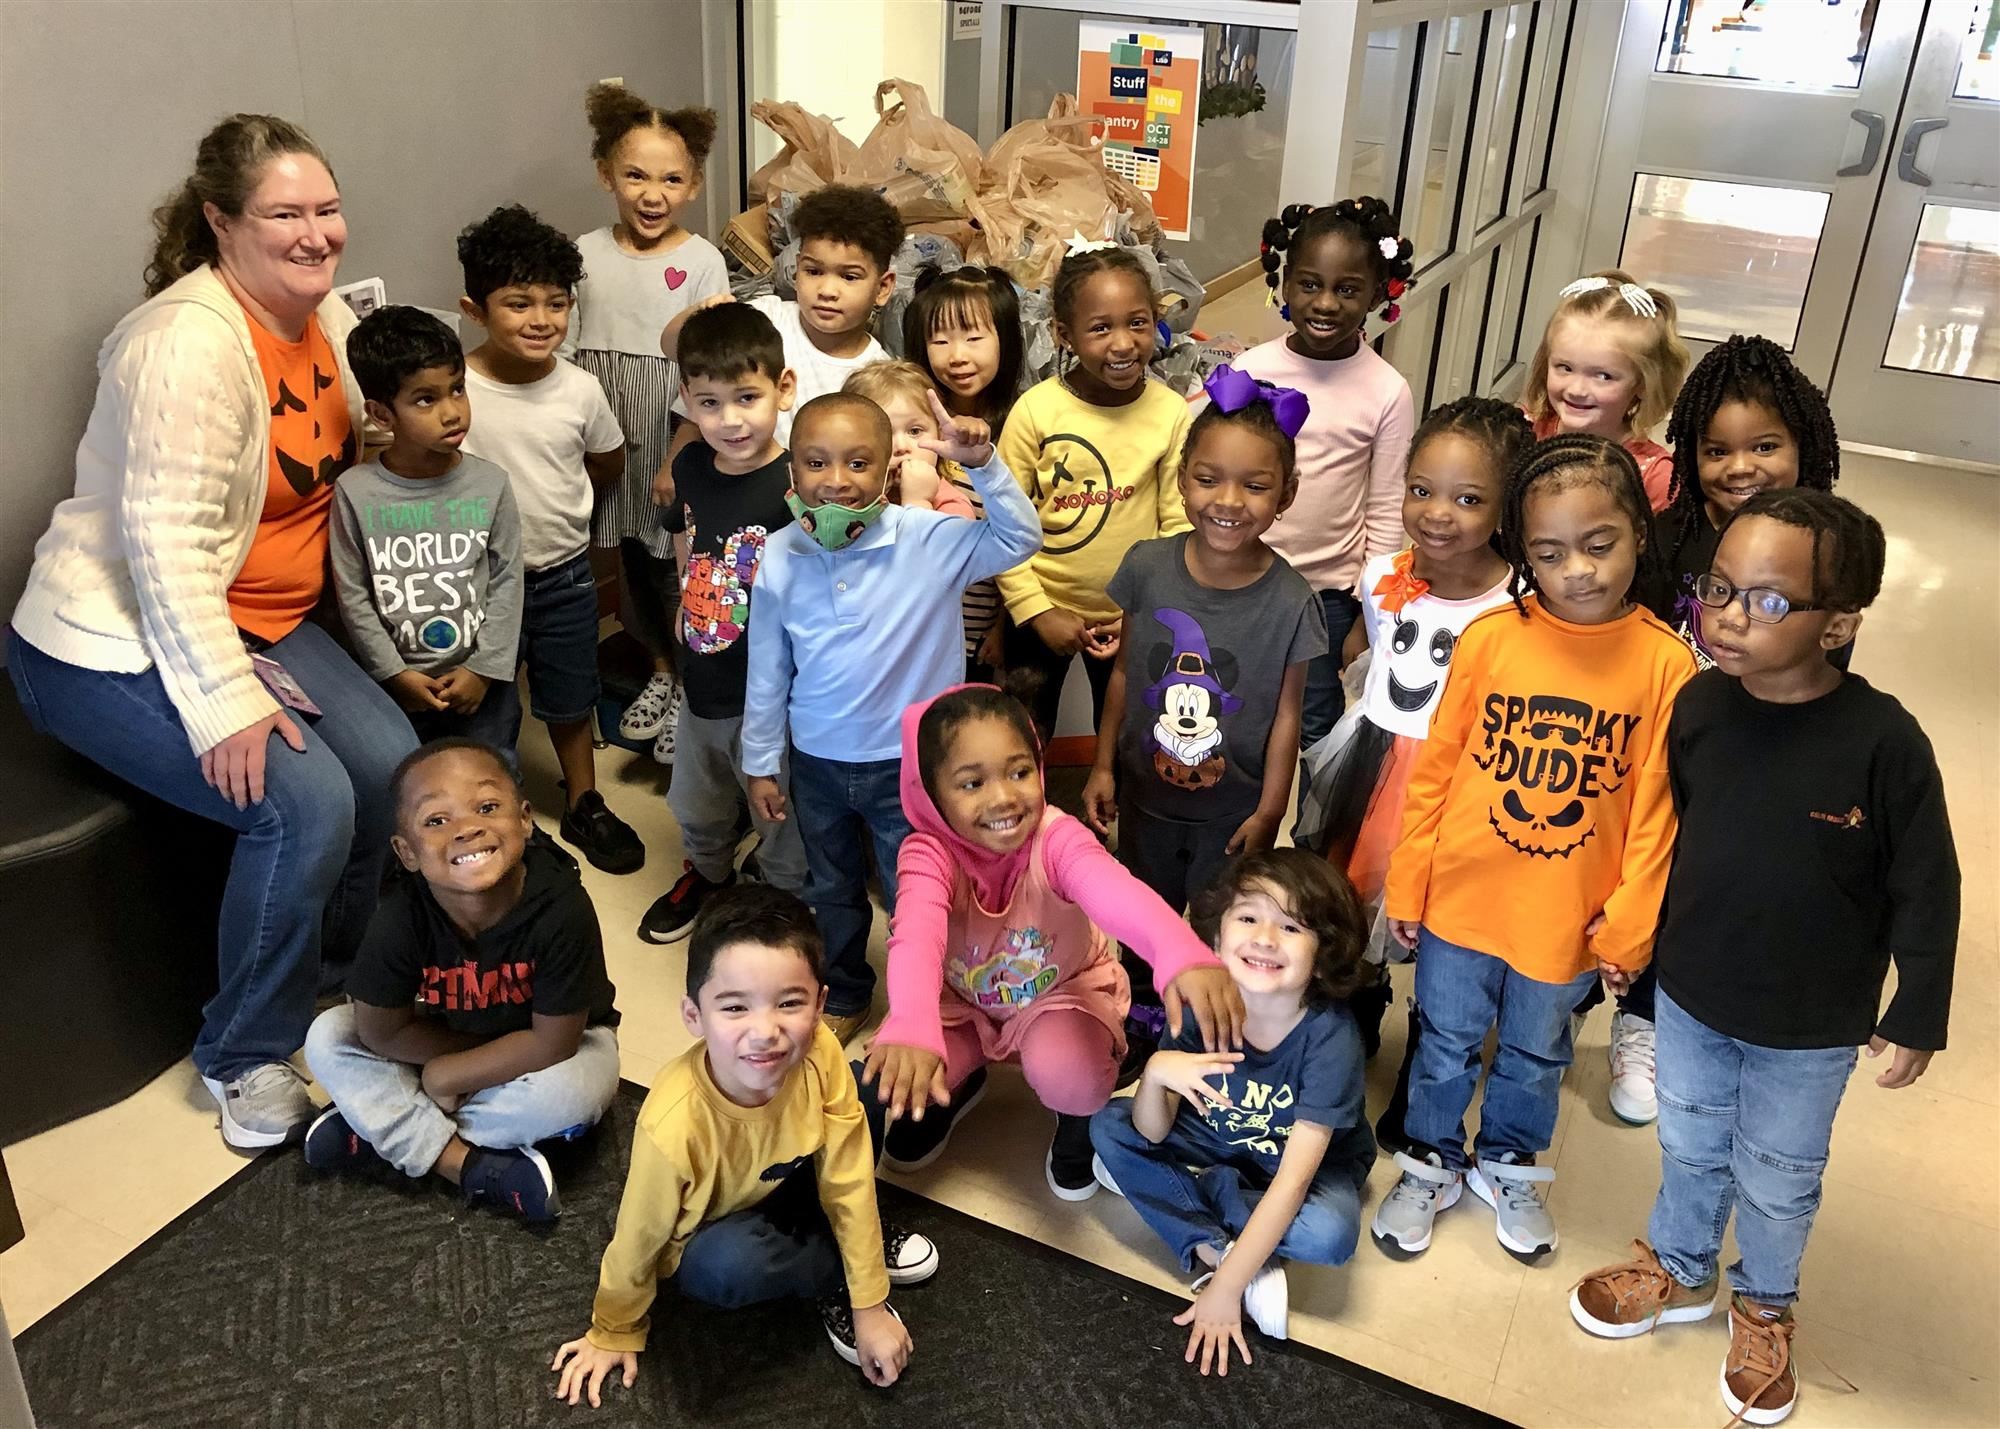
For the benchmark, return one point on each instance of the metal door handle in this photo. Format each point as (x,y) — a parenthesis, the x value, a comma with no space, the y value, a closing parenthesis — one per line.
(1906,160)
(1871,147)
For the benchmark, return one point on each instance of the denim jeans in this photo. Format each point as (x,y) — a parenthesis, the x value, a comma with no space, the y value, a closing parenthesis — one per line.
(842,808)
(559,641)
(781,1247)
(308,863)
(1190,1197)
(1324,699)
(497,722)
(1746,1126)
(384,1101)
(1461,995)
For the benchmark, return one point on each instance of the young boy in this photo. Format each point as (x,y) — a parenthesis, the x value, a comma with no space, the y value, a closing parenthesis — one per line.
(426,544)
(857,618)
(729,498)
(546,423)
(848,239)
(1814,850)
(481,1017)
(753,1174)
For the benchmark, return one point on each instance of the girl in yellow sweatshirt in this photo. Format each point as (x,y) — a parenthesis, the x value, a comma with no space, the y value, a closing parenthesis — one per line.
(1536,836)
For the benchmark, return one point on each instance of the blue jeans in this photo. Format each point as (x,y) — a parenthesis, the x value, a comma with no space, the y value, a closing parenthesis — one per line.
(1191,1197)
(559,641)
(1461,995)
(1747,1126)
(497,722)
(1324,698)
(841,808)
(781,1247)
(308,863)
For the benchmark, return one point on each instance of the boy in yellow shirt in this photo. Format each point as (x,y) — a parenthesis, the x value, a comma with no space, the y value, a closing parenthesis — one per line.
(753,1176)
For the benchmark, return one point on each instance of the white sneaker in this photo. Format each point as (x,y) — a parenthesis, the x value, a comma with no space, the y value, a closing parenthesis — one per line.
(1103,1175)
(1634,1100)
(663,743)
(1267,1299)
(266,1106)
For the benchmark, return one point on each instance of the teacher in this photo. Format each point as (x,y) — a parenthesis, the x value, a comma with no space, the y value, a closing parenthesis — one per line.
(164,632)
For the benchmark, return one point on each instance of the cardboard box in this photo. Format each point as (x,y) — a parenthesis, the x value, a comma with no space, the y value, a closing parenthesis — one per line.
(748,239)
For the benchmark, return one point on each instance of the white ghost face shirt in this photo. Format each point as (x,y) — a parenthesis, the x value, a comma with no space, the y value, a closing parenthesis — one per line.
(1410,648)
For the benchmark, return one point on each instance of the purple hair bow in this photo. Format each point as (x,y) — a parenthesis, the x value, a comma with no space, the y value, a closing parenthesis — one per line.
(1232,390)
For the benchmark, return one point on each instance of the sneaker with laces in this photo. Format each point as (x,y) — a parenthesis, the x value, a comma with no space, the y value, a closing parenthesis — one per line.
(1267,1299)
(518,1181)
(1402,1224)
(1633,1297)
(651,708)
(601,836)
(1633,1098)
(838,1316)
(1759,1382)
(663,742)
(265,1106)
(332,1145)
(1069,1158)
(672,915)
(911,1258)
(912,1145)
(1521,1222)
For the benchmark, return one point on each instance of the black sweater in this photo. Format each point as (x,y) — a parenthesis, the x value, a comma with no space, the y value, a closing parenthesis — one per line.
(1814,847)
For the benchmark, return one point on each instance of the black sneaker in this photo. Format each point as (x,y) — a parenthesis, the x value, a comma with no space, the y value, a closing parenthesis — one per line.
(1068,1166)
(911,1258)
(518,1182)
(672,915)
(332,1145)
(912,1145)
(604,838)
(838,1316)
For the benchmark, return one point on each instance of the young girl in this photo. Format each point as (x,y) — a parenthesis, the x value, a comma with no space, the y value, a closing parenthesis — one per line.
(1096,447)
(1240,1161)
(963,328)
(1001,947)
(1339,262)
(638,273)
(1536,835)
(916,478)
(1610,364)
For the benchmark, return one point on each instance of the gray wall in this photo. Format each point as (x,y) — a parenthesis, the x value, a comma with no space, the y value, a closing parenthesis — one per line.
(432,111)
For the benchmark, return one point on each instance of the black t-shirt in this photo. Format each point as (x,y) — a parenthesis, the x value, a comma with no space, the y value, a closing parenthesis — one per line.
(1813,848)
(1674,601)
(546,955)
(728,519)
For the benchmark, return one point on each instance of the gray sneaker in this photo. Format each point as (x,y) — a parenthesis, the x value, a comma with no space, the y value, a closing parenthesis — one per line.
(266,1106)
(1520,1221)
(1402,1225)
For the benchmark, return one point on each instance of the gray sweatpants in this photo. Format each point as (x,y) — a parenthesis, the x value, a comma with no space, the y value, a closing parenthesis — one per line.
(710,796)
(384,1101)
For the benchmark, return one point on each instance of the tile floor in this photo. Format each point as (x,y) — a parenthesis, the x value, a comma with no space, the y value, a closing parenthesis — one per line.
(1902,1282)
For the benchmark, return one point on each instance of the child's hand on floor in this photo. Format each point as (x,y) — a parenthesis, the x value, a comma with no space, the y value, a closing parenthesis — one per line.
(1255,834)
(414,692)
(1217,1317)
(1404,931)
(461,690)
(1100,800)
(586,1370)
(1905,1067)
(1208,993)
(906,1079)
(883,1344)
(1186,1075)
(767,798)
(965,440)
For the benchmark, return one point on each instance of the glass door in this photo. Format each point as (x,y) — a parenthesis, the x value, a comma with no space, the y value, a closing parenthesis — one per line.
(1919,366)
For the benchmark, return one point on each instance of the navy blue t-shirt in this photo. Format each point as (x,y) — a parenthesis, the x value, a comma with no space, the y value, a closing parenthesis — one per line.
(1315,1074)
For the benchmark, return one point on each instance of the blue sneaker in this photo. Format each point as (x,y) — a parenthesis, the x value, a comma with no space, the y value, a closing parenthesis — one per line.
(332,1145)
(518,1182)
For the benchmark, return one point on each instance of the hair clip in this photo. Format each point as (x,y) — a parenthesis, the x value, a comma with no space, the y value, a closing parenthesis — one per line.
(1078,244)
(1636,298)
(1232,390)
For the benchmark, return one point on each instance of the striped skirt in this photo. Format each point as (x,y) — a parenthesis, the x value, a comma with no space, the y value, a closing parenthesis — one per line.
(641,391)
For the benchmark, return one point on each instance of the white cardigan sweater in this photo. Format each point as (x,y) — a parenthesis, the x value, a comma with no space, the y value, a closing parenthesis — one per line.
(135,569)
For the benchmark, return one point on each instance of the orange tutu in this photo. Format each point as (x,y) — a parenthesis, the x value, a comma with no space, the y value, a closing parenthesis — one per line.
(1382,826)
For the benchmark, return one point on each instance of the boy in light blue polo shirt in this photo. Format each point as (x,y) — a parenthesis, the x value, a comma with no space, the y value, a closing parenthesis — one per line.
(858,617)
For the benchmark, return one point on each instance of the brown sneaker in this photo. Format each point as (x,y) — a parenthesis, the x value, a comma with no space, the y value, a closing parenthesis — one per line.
(845,1026)
(1759,1384)
(1621,1301)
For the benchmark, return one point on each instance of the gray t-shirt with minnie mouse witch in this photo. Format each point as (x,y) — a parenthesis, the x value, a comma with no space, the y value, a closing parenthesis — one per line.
(1203,670)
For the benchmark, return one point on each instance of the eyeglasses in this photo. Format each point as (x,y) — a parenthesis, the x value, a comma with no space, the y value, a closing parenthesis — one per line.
(1760,603)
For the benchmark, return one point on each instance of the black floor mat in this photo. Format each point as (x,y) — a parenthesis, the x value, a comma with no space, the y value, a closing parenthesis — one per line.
(287,1300)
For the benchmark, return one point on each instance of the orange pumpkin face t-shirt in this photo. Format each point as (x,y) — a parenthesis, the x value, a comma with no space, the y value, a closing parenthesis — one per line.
(312,443)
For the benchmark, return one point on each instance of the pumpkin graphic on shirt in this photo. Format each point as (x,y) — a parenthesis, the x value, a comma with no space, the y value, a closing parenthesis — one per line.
(1551,758)
(294,430)
(1190,701)
(715,591)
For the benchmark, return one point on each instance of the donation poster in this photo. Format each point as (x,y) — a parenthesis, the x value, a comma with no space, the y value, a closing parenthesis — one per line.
(1146,85)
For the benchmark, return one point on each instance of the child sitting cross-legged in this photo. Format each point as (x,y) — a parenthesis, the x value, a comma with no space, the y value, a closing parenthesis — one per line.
(481,1017)
(1241,1160)
(753,1165)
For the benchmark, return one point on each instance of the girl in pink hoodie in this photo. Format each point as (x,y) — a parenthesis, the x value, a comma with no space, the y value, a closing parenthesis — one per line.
(1002,946)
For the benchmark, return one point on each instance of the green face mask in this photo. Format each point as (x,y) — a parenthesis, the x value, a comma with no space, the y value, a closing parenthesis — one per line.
(832,525)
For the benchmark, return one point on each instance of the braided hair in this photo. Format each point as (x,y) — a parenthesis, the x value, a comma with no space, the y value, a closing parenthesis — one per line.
(1744,369)
(1368,220)
(1079,268)
(1848,547)
(1498,427)
(1559,463)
